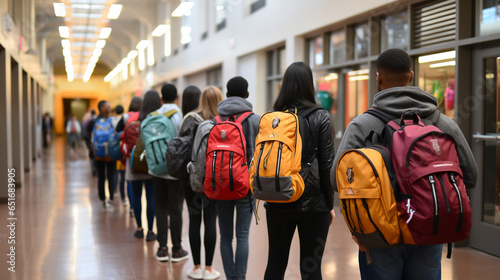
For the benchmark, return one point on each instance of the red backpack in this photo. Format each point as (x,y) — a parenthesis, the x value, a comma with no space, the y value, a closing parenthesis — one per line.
(432,197)
(130,133)
(226,175)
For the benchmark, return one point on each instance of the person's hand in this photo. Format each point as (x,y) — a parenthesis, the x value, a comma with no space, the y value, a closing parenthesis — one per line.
(361,247)
(332,216)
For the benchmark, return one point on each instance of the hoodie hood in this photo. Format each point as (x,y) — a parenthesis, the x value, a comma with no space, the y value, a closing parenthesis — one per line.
(234,105)
(397,100)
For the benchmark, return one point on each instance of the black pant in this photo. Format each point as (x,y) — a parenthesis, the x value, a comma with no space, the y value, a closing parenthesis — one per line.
(105,169)
(169,196)
(313,230)
(199,204)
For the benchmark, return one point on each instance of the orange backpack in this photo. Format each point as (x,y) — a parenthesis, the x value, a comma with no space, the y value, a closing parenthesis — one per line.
(365,184)
(274,172)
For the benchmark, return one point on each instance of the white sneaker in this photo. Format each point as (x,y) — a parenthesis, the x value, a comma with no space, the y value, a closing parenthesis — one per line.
(125,203)
(195,274)
(208,275)
(108,205)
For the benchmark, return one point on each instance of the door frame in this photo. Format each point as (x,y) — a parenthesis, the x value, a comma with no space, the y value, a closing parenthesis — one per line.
(483,236)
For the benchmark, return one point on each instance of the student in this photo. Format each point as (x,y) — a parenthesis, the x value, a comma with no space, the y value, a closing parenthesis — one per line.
(199,206)
(105,166)
(313,212)
(73,130)
(47,125)
(235,265)
(88,119)
(136,181)
(120,169)
(168,191)
(395,96)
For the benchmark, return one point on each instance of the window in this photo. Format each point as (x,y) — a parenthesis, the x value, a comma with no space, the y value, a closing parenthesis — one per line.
(276,67)
(437,77)
(488,15)
(185,30)
(316,51)
(221,14)
(361,40)
(327,84)
(356,94)
(393,32)
(337,47)
(214,77)
(256,5)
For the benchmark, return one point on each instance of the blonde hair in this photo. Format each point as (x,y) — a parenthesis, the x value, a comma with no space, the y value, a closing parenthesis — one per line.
(210,98)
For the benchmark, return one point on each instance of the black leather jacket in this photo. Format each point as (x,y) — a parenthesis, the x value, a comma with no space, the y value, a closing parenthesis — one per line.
(317,160)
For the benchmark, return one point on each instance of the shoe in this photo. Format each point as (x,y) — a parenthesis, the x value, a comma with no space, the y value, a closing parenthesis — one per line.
(131,213)
(214,274)
(162,254)
(139,234)
(151,236)
(125,203)
(179,255)
(108,206)
(195,274)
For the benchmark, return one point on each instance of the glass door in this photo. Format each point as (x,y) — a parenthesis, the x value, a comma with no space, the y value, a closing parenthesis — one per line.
(485,198)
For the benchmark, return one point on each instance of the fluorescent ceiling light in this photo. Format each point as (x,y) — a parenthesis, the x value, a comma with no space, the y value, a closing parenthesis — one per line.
(97,52)
(160,30)
(358,72)
(66,52)
(93,60)
(59,9)
(183,9)
(143,44)
(126,61)
(105,32)
(436,57)
(359,78)
(100,44)
(65,44)
(114,11)
(331,76)
(64,31)
(443,64)
(132,54)
(85,15)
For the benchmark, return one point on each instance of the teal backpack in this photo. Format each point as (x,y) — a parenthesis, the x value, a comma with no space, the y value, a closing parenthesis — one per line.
(156,131)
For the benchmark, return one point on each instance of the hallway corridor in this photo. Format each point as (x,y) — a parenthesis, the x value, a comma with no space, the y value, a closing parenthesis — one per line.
(62,232)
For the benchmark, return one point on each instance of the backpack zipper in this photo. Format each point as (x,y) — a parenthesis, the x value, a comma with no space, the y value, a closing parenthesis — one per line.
(278,165)
(258,165)
(213,170)
(348,219)
(266,158)
(221,165)
(461,217)
(231,183)
(440,178)
(357,215)
(365,204)
(435,227)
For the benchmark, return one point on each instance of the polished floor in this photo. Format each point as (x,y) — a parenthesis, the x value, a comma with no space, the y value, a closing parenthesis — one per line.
(62,232)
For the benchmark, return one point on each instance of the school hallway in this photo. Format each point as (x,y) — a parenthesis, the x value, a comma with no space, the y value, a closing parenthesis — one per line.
(62,232)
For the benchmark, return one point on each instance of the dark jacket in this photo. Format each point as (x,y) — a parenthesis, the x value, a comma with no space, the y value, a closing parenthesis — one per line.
(395,101)
(234,106)
(317,143)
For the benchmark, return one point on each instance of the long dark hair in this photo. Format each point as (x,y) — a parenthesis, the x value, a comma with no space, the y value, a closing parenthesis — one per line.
(135,104)
(151,103)
(190,99)
(297,88)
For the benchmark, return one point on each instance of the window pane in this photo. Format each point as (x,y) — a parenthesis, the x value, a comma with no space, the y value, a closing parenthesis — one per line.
(437,77)
(327,90)
(221,13)
(393,32)
(488,16)
(282,61)
(256,5)
(337,47)
(356,94)
(361,40)
(316,51)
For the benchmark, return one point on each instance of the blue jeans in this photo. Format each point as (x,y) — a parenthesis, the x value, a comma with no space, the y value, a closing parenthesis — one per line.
(409,262)
(120,182)
(235,265)
(150,210)
(130,194)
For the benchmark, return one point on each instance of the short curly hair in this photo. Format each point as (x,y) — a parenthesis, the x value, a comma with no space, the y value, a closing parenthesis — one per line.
(394,60)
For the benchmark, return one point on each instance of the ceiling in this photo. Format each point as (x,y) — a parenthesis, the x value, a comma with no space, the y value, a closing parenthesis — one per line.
(85,20)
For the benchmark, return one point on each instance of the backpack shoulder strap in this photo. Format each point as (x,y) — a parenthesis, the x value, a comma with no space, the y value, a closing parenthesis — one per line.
(241,118)
(170,113)
(386,118)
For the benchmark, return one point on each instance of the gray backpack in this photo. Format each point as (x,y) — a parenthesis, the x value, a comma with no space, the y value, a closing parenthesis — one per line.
(196,167)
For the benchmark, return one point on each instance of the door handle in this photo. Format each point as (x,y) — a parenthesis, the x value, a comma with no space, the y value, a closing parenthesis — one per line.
(478,137)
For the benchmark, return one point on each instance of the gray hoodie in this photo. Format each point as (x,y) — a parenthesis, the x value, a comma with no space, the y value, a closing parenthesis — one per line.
(236,105)
(396,101)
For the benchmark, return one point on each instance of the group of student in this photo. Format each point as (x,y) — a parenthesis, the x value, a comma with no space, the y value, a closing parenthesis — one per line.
(311,214)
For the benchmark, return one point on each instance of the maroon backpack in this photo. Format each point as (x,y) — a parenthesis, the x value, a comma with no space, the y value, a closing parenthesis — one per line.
(130,133)
(226,175)
(432,196)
